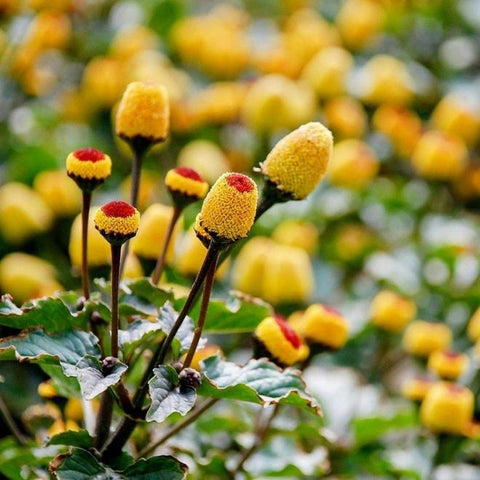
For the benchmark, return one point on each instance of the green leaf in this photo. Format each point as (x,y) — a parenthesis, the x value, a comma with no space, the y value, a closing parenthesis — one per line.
(238,314)
(50,313)
(67,347)
(184,336)
(137,333)
(167,397)
(368,430)
(77,353)
(82,465)
(88,372)
(80,439)
(259,381)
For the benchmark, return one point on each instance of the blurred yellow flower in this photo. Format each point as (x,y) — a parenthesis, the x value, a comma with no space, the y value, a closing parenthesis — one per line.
(202,354)
(354,164)
(415,389)
(447,408)
(186,181)
(132,40)
(473,328)
(297,233)
(153,227)
(392,312)
(447,364)
(346,117)
(421,338)
(24,213)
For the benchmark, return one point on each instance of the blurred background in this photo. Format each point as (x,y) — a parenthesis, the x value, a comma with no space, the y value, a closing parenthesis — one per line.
(397,82)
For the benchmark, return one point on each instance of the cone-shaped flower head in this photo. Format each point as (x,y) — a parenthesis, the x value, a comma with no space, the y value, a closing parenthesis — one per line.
(277,339)
(228,211)
(117,221)
(185,185)
(143,114)
(447,364)
(89,167)
(298,161)
(421,338)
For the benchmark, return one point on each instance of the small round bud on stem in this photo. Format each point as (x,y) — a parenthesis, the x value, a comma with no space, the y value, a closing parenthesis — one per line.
(117,221)
(88,167)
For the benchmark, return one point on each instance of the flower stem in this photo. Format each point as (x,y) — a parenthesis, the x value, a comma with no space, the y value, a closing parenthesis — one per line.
(207,290)
(104,419)
(194,414)
(138,156)
(86,199)
(157,272)
(116,249)
(126,427)
(10,422)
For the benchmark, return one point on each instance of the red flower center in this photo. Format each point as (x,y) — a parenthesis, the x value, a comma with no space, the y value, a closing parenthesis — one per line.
(331,309)
(288,332)
(455,389)
(189,173)
(241,182)
(89,154)
(118,209)
(451,355)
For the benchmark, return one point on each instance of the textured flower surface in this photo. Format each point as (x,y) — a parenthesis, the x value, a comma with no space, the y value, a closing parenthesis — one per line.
(186,181)
(228,211)
(89,164)
(298,161)
(117,220)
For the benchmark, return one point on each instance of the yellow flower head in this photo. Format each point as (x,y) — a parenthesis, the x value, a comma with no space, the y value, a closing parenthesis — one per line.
(440,156)
(143,114)
(422,338)
(346,117)
(89,167)
(228,211)
(280,342)
(117,221)
(152,231)
(447,364)
(392,312)
(416,388)
(47,390)
(297,233)
(298,161)
(185,185)
(23,211)
(287,276)
(23,276)
(322,325)
(59,192)
(354,164)
(447,408)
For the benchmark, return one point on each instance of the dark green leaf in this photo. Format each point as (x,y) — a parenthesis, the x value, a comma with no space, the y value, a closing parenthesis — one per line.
(80,439)
(137,333)
(88,372)
(166,395)
(82,465)
(50,313)
(238,314)
(259,381)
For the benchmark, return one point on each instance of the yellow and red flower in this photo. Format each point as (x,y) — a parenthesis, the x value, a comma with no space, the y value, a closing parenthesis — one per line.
(117,221)
(185,185)
(276,339)
(89,167)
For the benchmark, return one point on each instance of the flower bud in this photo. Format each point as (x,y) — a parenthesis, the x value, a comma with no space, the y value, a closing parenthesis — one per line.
(25,277)
(143,114)
(288,276)
(23,212)
(185,185)
(298,161)
(392,312)
(323,326)
(297,233)
(421,338)
(88,167)
(447,364)
(346,117)
(447,408)
(440,156)
(117,221)
(229,209)
(354,164)
(415,389)
(152,231)
(189,378)
(58,192)
(277,340)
